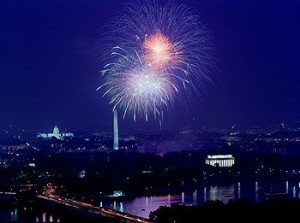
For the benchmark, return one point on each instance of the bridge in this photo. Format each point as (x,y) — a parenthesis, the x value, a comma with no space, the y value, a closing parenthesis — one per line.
(89,209)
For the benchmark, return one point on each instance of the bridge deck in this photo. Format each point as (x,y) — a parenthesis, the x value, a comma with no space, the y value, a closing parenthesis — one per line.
(90,209)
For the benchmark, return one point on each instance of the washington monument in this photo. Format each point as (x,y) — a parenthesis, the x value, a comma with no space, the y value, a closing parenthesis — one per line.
(116,131)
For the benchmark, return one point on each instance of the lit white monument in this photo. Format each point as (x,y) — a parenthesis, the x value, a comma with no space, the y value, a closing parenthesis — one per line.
(55,134)
(220,160)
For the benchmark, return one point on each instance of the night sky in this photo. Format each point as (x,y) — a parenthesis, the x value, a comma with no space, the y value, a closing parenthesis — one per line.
(49,68)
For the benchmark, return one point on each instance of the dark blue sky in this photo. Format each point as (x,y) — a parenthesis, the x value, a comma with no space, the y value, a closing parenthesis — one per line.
(49,70)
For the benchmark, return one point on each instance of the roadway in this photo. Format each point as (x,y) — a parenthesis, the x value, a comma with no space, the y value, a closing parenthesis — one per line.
(89,208)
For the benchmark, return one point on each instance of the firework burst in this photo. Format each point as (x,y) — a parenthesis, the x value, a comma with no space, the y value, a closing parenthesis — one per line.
(134,87)
(159,53)
(153,54)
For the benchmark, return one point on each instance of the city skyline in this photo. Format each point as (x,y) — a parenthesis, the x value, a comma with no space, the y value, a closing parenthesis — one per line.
(50,72)
(149,111)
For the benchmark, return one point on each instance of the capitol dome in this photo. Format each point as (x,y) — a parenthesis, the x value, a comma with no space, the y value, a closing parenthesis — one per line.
(56,130)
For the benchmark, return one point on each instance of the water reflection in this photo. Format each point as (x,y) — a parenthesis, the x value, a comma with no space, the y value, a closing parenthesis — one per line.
(14,215)
(27,215)
(253,191)
(239,190)
(257,191)
(45,217)
(222,193)
(195,195)
(142,206)
(121,207)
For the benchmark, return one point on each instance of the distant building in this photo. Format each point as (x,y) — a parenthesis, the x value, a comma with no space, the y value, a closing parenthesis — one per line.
(13,145)
(220,160)
(55,134)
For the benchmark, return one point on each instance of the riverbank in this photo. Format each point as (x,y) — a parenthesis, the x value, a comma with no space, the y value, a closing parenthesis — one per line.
(235,211)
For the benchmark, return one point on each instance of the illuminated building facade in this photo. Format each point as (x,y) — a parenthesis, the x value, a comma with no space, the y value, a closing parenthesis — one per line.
(56,134)
(220,160)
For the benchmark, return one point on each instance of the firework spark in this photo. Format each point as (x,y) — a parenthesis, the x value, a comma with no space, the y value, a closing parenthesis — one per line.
(159,52)
(135,87)
(154,54)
